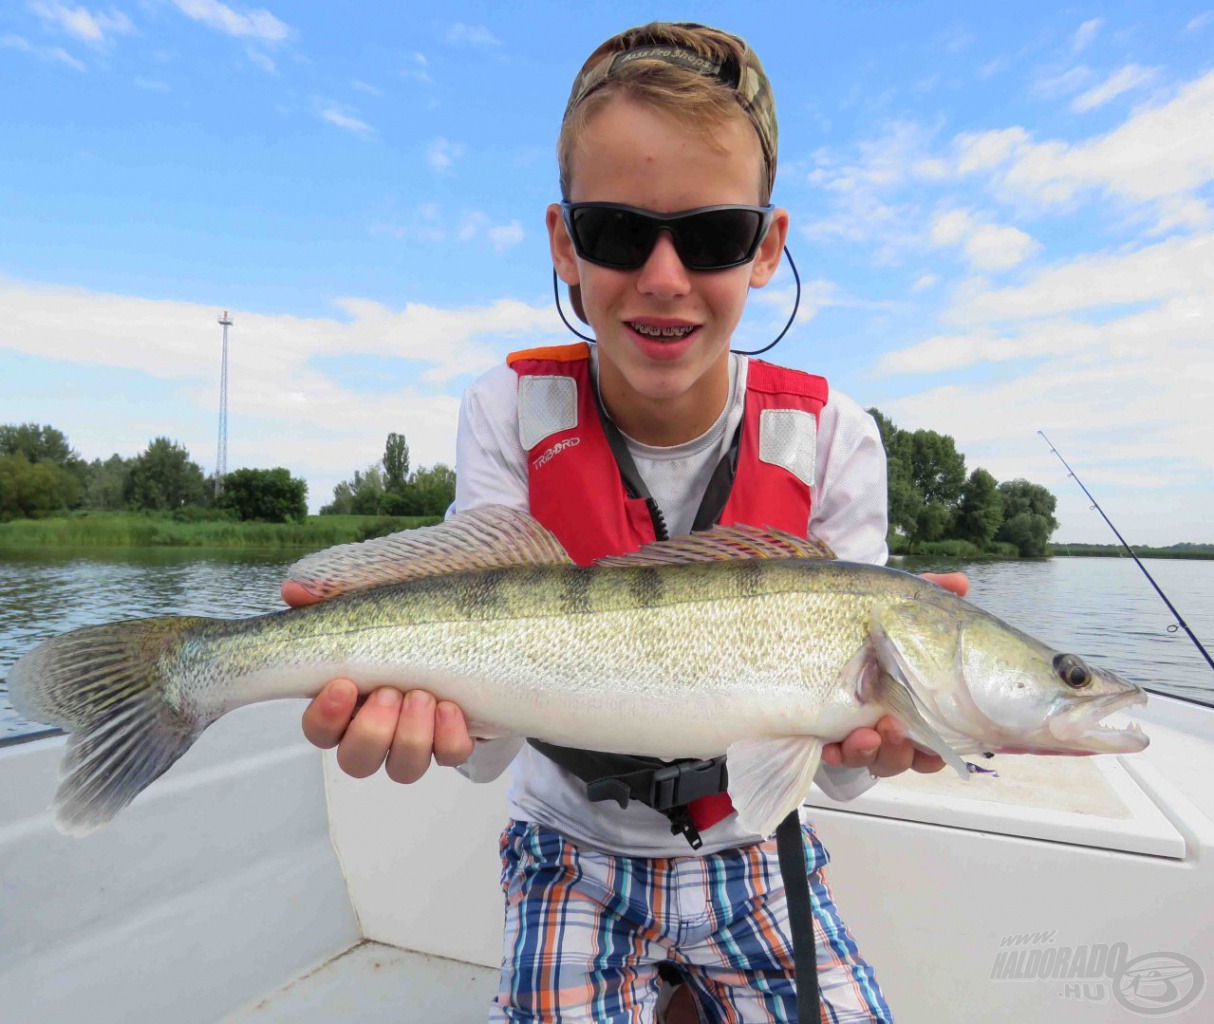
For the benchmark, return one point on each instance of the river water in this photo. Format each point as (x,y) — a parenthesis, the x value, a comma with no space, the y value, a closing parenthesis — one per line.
(1102,609)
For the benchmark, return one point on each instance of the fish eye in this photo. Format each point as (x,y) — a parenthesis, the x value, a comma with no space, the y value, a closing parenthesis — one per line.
(1072,671)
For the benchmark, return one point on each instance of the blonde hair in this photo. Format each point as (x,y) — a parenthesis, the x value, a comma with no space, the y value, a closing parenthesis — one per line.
(697,102)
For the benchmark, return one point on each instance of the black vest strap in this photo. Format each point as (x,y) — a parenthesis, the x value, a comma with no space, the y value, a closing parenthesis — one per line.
(790,848)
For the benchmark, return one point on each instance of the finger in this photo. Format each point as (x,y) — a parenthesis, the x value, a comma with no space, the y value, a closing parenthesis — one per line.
(326,718)
(452,744)
(927,763)
(296,596)
(896,751)
(365,744)
(832,754)
(860,748)
(413,741)
(955,582)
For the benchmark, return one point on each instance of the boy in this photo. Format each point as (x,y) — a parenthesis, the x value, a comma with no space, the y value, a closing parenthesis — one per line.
(656,430)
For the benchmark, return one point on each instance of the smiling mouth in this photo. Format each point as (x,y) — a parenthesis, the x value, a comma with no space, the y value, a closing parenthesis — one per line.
(663,333)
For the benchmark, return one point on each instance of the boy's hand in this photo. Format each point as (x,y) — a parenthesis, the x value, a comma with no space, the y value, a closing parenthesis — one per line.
(884,750)
(405,730)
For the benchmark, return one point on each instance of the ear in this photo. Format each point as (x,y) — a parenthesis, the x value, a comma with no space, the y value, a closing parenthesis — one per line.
(767,259)
(564,259)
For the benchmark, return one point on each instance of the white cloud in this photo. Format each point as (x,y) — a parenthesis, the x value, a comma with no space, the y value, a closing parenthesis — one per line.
(472,35)
(1159,157)
(987,246)
(415,67)
(1129,77)
(1113,351)
(262,60)
(290,410)
(505,236)
(81,22)
(429,223)
(1086,33)
(341,118)
(367,87)
(442,153)
(12,41)
(1200,22)
(254,24)
(923,282)
(1051,85)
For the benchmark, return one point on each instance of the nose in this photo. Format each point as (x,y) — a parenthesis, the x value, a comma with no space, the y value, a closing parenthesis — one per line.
(663,274)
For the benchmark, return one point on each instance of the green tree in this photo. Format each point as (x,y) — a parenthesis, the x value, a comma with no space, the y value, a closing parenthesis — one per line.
(368,489)
(937,468)
(432,490)
(396,464)
(270,495)
(29,489)
(1028,517)
(163,478)
(107,483)
(44,443)
(342,503)
(980,513)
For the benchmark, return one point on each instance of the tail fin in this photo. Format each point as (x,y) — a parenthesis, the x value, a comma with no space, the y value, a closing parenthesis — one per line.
(106,686)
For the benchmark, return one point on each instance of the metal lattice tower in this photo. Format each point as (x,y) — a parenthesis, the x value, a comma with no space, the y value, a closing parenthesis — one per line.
(221,457)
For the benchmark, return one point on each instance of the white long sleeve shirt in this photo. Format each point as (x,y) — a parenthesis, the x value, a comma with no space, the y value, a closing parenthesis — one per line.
(848,513)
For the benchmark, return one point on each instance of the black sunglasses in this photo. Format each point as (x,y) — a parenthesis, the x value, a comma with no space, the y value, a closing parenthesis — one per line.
(706,238)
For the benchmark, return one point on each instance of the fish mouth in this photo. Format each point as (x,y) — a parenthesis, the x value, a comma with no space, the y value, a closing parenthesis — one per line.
(1080,727)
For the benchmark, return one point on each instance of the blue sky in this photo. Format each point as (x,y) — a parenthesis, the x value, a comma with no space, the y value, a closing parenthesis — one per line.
(1001,213)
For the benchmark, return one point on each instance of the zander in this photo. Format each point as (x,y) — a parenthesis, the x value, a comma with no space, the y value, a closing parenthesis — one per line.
(735,640)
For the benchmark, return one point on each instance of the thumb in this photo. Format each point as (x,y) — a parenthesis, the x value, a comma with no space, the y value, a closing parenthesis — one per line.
(297,596)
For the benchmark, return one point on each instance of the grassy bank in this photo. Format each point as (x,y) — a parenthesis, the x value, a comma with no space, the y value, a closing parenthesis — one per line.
(137,530)
(1203,551)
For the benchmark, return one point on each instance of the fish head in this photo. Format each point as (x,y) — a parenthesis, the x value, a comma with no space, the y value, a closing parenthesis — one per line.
(1030,698)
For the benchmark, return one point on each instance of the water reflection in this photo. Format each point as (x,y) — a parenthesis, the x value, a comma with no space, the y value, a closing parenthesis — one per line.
(43,595)
(1098,608)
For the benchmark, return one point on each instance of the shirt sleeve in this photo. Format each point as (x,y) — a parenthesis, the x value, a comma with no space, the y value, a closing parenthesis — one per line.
(850,513)
(490,469)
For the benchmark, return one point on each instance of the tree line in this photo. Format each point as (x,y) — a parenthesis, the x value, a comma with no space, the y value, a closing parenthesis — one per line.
(934,505)
(42,474)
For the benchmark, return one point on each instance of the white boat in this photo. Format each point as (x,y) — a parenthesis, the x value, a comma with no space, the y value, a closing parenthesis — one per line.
(256,883)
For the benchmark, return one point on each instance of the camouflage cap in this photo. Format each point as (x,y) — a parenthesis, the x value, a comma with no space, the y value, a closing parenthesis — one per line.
(747,79)
(744,75)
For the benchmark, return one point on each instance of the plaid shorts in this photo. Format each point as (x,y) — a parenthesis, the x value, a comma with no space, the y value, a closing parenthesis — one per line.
(585,933)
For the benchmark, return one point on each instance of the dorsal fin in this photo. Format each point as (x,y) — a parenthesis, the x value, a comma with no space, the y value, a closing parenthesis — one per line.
(491,537)
(722,543)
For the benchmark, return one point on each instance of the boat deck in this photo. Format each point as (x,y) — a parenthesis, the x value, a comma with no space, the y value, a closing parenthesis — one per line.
(377,984)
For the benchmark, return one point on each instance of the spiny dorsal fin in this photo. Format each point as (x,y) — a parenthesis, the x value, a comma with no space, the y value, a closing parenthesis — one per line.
(721,543)
(491,537)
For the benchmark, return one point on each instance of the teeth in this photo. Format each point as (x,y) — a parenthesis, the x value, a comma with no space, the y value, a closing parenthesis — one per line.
(662,332)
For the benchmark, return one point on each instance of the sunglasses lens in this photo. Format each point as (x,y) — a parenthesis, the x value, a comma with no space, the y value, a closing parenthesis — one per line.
(615,238)
(717,238)
(711,240)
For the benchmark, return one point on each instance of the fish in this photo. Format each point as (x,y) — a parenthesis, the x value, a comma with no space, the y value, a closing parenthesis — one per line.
(737,640)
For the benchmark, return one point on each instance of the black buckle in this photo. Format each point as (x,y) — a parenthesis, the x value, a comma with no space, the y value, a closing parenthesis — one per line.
(679,784)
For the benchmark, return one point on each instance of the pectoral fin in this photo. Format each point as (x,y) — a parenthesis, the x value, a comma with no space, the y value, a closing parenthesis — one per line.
(895,689)
(768,778)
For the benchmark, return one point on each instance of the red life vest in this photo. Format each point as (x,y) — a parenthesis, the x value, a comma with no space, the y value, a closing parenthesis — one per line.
(576,489)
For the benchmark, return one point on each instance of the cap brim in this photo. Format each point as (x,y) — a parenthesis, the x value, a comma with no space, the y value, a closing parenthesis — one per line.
(575,300)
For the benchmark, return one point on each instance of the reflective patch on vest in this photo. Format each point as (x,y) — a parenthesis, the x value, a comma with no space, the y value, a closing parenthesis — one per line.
(789,438)
(546,405)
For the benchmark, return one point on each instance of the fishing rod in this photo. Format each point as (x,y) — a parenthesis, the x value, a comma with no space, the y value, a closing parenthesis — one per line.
(1137,561)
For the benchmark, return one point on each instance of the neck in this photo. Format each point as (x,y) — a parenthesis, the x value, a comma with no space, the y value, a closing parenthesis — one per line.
(663,421)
